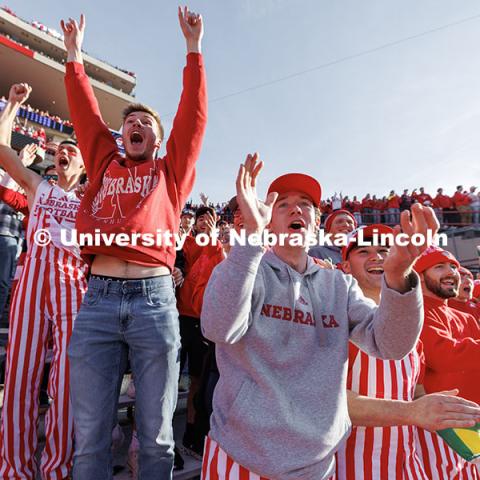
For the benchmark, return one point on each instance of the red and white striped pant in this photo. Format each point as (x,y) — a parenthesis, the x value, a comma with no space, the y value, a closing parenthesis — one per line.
(47,297)
(218,465)
(440,461)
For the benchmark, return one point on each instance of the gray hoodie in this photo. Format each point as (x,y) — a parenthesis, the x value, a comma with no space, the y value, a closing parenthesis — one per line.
(280,406)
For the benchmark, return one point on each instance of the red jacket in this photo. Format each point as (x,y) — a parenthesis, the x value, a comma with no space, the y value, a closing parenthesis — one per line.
(442,201)
(196,259)
(451,343)
(423,197)
(469,307)
(133,196)
(205,266)
(17,201)
(460,199)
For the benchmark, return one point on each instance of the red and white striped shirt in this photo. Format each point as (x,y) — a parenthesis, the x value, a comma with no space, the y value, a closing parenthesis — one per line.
(53,210)
(381,452)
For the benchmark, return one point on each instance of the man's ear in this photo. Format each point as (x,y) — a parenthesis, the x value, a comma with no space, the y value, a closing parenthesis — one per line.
(346,267)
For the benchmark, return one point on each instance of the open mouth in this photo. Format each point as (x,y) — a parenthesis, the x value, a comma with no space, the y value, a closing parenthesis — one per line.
(63,162)
(448,283)
(375,270)
(467,290)
(136,138)
(296,225)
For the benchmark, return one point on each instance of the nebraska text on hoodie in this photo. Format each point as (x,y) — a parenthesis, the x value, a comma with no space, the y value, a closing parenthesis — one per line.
(280,406)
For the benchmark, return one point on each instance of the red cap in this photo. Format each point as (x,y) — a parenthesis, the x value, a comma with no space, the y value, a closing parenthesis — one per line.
(432,256)
(297,182)
(465,271)
(330,218)
(476,289)
(367,233)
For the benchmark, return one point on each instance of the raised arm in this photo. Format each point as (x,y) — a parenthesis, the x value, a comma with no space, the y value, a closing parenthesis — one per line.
(94,138)
(231,285)
(392,329)
(9,159)
(185,141)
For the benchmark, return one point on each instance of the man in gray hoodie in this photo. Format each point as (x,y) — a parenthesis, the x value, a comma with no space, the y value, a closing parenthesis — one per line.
(281,324)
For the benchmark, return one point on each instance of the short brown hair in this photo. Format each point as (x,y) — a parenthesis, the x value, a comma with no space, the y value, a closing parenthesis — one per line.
(141,107)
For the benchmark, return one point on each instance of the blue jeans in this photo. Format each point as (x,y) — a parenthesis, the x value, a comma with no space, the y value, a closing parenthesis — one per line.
(118,316)
(8,262)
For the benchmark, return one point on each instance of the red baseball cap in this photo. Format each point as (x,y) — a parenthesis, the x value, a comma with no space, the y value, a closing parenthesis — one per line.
(297,182)
(367,233)
(335,213)
(432,256)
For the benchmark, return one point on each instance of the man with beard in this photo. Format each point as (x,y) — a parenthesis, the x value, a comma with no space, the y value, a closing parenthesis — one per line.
(281,325)
(463,301)
(47,296)
(451,343)
(130,304)
(381,396)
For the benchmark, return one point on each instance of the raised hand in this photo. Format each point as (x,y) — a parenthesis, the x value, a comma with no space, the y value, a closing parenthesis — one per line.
(437,411)
(256,214)
(192,28)
(19,93)
(27,154)
(204,199)
(73,36)
(398,264)
(210,224)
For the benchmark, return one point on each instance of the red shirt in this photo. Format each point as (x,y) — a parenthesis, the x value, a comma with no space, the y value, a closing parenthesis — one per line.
(467,307)
(356,206)
(451,344)
(127,196)
(367,203)
(442,201)
(460,199)
(196,261)
(393,201)
(423,197)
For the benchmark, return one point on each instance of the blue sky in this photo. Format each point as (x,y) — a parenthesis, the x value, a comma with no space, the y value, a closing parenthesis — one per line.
(401,117)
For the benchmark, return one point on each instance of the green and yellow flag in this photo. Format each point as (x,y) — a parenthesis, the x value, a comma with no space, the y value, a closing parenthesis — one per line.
(465,441)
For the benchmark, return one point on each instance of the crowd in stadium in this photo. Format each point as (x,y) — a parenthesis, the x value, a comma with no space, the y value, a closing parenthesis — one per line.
(50,31)
(338,361)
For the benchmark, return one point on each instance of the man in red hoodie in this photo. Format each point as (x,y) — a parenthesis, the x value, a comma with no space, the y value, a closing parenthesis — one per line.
(463,301)
(451,344)
(130,304)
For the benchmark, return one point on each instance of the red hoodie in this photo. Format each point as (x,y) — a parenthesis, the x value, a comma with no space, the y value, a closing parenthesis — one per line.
(451,343)
(467,307)
(196,266)
(134,196)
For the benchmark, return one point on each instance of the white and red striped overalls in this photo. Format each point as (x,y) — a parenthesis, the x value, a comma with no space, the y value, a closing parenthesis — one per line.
(381,452)
(47,296)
